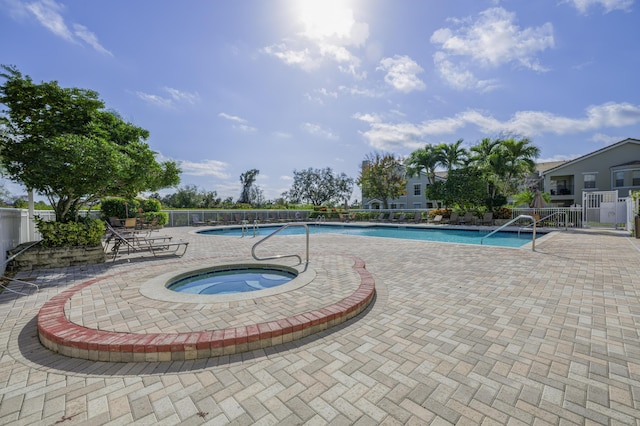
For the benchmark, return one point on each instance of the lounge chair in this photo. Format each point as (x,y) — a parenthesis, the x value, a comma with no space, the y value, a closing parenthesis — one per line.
(391,216)
(400,218)
(437,219)
(137,243)
(466,219)
(380,218)
(454,219)
(195,220)
(417,218)
(487,219)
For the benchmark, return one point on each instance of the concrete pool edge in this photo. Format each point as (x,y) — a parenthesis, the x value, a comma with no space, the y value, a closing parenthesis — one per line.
(60,335)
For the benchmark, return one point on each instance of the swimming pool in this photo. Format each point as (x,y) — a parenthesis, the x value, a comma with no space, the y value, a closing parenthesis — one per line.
(462,236)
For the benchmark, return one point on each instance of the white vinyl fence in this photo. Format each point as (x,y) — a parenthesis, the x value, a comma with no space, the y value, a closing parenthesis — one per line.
(14,230)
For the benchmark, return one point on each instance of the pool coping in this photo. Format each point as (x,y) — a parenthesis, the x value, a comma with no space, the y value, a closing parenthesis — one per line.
(60,335)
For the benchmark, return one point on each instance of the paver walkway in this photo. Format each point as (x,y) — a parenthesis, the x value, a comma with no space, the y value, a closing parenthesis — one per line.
(457,335)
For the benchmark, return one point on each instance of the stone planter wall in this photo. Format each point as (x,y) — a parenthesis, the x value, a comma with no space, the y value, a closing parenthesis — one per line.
(55,257)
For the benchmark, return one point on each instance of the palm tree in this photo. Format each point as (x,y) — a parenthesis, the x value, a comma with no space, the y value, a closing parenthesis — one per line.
(519,160)
(427,159)
(452,155)
(486,157)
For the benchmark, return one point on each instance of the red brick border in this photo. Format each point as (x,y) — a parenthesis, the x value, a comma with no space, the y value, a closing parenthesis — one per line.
(60,335)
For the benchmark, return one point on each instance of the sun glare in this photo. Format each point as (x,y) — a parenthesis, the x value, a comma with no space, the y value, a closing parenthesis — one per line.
(325,19)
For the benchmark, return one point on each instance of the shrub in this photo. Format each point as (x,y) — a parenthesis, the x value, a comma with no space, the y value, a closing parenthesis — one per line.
(502,213)
(163,217)
(85,232)
(119,207)
(151,205)
(446,213)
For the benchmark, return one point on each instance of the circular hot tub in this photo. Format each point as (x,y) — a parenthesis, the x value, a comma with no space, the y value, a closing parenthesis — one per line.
(232,280)
(226,282)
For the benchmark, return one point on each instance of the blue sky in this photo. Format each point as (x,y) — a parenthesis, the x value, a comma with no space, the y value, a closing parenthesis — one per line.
(278,85)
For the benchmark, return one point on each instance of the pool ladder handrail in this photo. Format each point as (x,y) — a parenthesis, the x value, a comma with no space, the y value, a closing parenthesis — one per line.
(280,256)
(245,227)
(522,216)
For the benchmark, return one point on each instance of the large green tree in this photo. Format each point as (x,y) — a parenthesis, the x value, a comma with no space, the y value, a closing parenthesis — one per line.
(319,186)
(247,179)
(63,144)
(382,177)
(464,188)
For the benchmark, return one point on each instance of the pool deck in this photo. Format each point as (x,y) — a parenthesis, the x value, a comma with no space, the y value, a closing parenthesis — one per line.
(456,334)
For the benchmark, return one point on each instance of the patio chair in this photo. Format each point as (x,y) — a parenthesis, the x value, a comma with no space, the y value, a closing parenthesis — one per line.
(437,219)
(136,243)
(195,220)
(400,218)
(417,217)
(454,219)
(467,219)
(380,218)
(487,219)
(391,216)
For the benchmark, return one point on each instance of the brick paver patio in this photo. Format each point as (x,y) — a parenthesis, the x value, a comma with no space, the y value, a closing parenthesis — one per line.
(456,335)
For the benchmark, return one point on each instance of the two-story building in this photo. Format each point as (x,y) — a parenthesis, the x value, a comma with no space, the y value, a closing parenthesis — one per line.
(414,197)
(614,167)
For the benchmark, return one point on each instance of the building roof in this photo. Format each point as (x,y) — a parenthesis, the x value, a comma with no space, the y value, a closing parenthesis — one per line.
(591,154)
(548,165)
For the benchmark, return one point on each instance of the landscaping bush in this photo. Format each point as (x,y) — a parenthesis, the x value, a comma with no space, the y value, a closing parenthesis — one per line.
(119,207)
(446,213)
(85,232)
(502,213)
(163,217)
(150,205)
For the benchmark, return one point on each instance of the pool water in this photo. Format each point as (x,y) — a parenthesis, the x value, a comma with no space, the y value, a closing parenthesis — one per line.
(463,236)
(230,281)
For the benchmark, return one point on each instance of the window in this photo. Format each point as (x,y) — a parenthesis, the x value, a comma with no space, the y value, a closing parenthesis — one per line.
(636,178)
(589,181)
(619,179)
(417,205)
(417,189)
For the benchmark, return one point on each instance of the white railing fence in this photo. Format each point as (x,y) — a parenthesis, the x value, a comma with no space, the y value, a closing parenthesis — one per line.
(14,230)
(15,223)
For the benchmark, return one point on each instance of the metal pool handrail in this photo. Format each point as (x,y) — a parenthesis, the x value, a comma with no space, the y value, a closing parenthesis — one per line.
(280,256)
(522,216)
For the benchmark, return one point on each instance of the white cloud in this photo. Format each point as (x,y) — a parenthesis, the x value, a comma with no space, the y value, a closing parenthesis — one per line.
(282,135)
(232,118)
(286,178)
(402,73)
(213,168)
(49,14)
(155,99)
(175,98)
(317,130)
(319,95)
(242,124)
(605,139)
(90,38)
(396,136)
(608,5)
(367,118)
(491,41)
(358,91)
